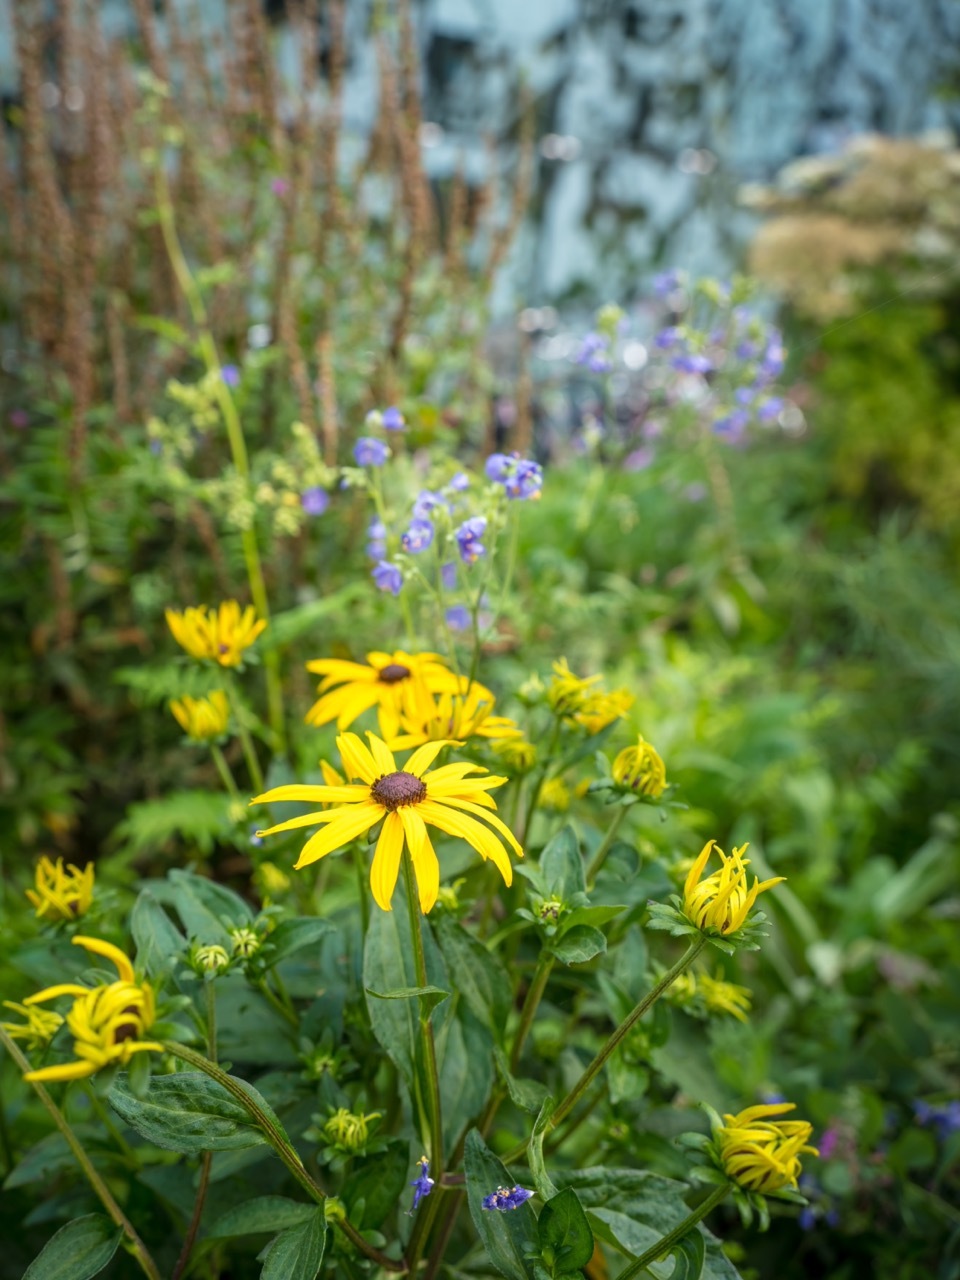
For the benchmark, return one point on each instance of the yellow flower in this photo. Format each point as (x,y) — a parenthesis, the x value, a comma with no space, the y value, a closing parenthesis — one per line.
(219,635)
(202,718)
(270,880)
(720,996)
(407,800)
(517,754)
(348,1130)
(61,893)
(106,1021)
(396,684)
(39,1029)
(555,795)
(641,769)
(600,709)
(762,1154)
(722,902)
(567,692)
(452,717)
(683,989)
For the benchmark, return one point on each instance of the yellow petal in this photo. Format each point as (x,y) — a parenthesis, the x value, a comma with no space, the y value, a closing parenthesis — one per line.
(51,993)
(488,817)
(357,760)
(338,833)
(425,862)
(382,755)
(424,756)
(67,1071)
(386,861)
(308,793)
(475,834)
(109,952)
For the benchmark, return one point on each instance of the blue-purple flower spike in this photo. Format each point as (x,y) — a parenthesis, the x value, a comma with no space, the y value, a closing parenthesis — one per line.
(506,1198)
(422,1183)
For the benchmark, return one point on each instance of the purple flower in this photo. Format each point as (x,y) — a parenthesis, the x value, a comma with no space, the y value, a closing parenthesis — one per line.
(521,477)
(945,1117)
(368,452)
(448,575)
(668,338)
(691,362)
(19,418)
(639,459)
(808,1218)
(156,447)
(771,409)
(506,1198)
(498,466)
(427,500)
(744,395)
(315,501)
(388,577)
(377,535)
(594,353)
(775,356)
(458,617)
(279,186)
(733,425)
(666,282)
(747,350)
(422,1183)
(828,1143)
(468,537)
(231,375)
(459,482)
(695,492)
(418,537)
(255,840)
(392,419)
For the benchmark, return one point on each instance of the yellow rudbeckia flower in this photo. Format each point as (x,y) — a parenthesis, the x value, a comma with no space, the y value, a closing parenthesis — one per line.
(641,769)
(395,683)
(567,692)
(575,698)
(61,892)
(407,800)
(452,717)
(202,719)
(107,1022)
(220,635)
(721,996)
(39,1029)
(762,1154)
(722,902)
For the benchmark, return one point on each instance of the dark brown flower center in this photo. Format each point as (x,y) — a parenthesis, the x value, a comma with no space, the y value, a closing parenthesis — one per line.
(393,673)
(128,1030)
(394,790)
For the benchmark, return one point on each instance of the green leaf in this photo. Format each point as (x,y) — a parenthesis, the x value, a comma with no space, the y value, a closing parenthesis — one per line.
(388,957)
(429,997)
(690,1255)
(187,1112)
(203,906)
(294,623)
(157,938)
(580,944)
(483,982)
(376,1184)
(538,1170)
(164,328)
(510,1239)
(589,915)
(294,935)
(562,866)
(263,1214)
(77,1251)
(297,1252)
(465,1055)
(526,1094)
(48,1157)
(201,817)
(566,1241)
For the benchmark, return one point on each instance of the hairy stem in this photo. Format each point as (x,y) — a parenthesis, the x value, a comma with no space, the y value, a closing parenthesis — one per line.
(137,1247)
(531,1003)
(676,1235)
(600,857)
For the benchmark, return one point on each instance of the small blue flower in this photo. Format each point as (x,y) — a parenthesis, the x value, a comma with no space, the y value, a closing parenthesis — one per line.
(448,575)
(388,577)
(669,338)
(368,452)
(458,617)
(377,533)
(527,480)
(775,356)
(733,425)
(747,350)
(231,375)
(422,1183)
(506,1198)
(418,537)
(392,419)
(770,409)
(255,840)
(498,466)
(594,352)
(460,482)
(315,501)
(744,395)
(427,500)
(692,363)
(666,282)
(468,537)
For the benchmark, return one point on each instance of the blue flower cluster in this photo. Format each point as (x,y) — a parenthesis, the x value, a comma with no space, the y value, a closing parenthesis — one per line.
(522,478)
(506,1198)
(944,1116)
(422,1183)
(594,353)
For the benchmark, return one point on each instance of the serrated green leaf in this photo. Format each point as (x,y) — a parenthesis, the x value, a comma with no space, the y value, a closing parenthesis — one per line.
(201,817)
(187,1112)
(297,1253)
(260,1215)
(566,1241)
(510,1239)
(77,1251)
(582,943)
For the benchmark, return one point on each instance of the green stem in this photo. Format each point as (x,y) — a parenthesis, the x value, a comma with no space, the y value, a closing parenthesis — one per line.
(432,1121)
(676,1235)
(278,1141)
(531,1003)
(200,1199)
(541,778)
(624,1029)
(117,1215)
(238,447)
(600,857)
(246,742)
(226,774)
(276,1002)
(104,1118)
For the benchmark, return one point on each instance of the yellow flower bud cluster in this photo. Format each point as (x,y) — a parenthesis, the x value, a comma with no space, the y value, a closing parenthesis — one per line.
(761,1154)
(641,770)
(220,635)
(202,719)
(576,699)
(61,892)
(721,903)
